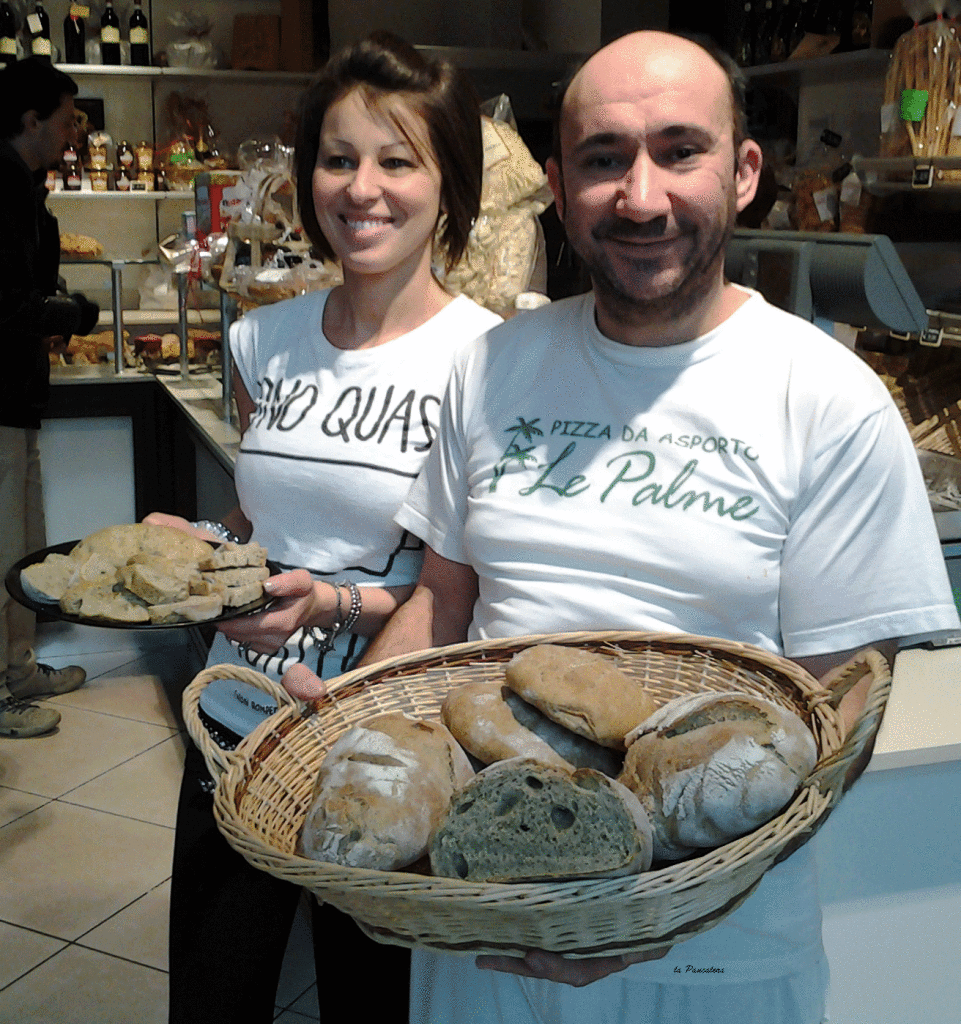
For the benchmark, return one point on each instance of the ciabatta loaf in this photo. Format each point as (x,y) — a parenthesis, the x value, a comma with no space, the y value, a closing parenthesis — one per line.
(711,767)
(585,692)
(522,821)
(491,722)
(380,792)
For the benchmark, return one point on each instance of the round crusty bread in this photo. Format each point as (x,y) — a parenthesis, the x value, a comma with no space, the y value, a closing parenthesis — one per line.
(380,792)
(491,722)
(121,543)
(711,767)
(583,691)
(524,821)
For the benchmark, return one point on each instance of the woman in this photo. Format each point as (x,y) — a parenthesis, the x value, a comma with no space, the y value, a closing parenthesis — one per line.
(338,394)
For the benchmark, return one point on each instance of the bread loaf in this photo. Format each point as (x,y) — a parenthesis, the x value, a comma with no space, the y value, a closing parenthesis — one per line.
(711,767)
(380,792)
(491,722)
(121,543)
(583,691)
(520,820)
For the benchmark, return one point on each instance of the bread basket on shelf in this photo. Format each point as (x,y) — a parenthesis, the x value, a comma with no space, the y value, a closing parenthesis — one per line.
(264,789)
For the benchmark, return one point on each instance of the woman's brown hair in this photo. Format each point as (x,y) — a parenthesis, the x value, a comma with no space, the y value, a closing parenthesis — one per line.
(384,65)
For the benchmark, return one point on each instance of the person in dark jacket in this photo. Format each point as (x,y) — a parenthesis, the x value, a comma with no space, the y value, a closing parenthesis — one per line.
(37,122)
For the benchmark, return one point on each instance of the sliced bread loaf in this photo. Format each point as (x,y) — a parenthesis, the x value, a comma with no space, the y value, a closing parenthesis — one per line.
(520,820)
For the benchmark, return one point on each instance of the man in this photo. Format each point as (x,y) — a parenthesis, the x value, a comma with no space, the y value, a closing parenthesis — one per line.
(36,124)
(668,452)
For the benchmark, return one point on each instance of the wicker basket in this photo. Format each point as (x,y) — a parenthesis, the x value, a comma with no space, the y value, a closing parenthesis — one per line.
(264,790)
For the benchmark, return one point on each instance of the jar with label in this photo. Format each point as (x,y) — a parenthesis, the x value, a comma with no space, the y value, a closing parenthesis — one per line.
(97,149)
(125,169)
(143,157)
(144,182)
(99,179)
(71,170)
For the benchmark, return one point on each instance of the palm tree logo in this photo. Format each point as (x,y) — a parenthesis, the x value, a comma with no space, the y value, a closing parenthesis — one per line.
(514,452)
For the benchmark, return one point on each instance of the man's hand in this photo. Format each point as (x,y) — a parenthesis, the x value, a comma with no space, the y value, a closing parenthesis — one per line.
(538,963)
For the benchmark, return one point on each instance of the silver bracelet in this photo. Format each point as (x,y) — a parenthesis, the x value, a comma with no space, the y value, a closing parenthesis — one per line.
(217,529)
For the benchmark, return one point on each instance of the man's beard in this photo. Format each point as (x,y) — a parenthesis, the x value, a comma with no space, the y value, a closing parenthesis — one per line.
(623,293)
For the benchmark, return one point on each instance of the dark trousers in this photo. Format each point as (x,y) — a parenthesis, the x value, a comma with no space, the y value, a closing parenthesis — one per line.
(229,926)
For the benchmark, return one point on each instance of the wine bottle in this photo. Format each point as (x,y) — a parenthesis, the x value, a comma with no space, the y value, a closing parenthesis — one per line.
(75,35)
(744,42)
(777,44)
(765,32)
(38,24)
(109,36)
(862,15)
(8,33)
(139,36)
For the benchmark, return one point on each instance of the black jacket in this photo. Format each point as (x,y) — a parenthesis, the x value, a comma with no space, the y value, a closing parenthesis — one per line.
(30,307)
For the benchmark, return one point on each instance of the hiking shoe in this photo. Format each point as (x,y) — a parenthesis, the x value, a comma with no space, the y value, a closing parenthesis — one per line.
(47,681)
(20,720)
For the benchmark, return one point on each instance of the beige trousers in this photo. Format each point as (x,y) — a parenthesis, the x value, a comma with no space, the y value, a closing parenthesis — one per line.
(22,530)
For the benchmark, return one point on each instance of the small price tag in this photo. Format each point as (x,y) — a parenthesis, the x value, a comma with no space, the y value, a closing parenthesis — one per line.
(914,102)
(34,24)
(826,203)
(851,190)
(79,11)
(889,115)
(956,122)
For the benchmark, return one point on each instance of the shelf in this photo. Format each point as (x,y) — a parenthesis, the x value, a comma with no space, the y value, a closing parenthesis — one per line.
(220,74)
(883,176)
(119,196)
(144,317)
(820,70)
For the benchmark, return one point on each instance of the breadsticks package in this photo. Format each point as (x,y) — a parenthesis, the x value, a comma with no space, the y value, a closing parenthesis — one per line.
(919,115)
(505,256)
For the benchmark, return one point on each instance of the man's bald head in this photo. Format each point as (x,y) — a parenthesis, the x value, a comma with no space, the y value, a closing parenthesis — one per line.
(627,52)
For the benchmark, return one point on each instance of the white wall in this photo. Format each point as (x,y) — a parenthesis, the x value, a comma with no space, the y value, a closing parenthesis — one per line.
(88,475)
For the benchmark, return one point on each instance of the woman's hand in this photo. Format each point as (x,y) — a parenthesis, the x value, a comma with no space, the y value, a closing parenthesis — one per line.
(303,684)
(298,600)
(179,523)
(538,963)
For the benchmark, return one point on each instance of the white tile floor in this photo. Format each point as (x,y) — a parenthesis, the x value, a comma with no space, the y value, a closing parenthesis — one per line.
(86,836)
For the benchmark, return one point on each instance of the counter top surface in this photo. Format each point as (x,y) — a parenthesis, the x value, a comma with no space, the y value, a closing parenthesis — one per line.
(922,722)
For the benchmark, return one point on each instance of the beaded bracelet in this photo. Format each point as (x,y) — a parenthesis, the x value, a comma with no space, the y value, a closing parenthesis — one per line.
(217,529)
(356,605)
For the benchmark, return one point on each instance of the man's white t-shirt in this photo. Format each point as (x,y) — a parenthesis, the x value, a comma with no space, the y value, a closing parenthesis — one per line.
(756,483)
